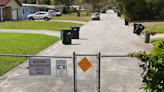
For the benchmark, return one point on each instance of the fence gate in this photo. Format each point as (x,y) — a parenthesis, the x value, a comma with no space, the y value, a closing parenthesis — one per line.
(119,73)
(86,72)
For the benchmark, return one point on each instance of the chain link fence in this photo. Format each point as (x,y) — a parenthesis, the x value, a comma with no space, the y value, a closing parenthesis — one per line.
(85,73)
(120,74)
(19,80)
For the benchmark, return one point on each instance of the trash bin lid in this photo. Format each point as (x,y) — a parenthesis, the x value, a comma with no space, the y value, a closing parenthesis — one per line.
(135,23)
(66,30)
(75,26)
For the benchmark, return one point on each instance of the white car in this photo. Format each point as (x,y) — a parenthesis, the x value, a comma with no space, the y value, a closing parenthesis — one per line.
(54,13)
(95,16)
(40,15)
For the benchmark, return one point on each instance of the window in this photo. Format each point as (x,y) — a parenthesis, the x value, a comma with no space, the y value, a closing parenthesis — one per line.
(23,11)
(37,13)
(31,10)
(42,13)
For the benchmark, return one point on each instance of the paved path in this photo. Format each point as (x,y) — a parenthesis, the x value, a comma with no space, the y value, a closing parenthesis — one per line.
(80,22)
(45,32)
(109,36)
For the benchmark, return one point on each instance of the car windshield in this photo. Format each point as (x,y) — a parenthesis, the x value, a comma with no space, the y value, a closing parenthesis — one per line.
(95,14)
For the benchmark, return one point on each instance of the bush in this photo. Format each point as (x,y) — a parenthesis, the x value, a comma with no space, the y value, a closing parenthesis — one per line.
(153,68)
(65,10)
(96,10)
(141,9)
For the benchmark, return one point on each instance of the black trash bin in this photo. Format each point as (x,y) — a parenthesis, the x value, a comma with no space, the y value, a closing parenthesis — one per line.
(66,36)
(75,32)
(139,29)
(135,27)
(118,14)
(126,21)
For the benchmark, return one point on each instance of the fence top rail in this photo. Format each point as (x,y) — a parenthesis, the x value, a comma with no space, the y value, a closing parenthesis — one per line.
(17,55)
(115,56)
(86,54)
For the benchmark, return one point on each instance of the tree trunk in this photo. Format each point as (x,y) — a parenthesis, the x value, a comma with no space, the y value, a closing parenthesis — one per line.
(78,12)
(68,9)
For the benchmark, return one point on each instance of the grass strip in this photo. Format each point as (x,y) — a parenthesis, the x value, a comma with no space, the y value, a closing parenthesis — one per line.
(155,42)
(155,26)
(40,25)
(19,43)
(73,16)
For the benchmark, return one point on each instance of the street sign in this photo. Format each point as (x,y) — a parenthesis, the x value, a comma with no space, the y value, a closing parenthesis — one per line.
(84,64)
(39,66)
(61,68)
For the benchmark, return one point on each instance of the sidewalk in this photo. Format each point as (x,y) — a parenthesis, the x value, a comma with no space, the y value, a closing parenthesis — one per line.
(45,32)
(72,21)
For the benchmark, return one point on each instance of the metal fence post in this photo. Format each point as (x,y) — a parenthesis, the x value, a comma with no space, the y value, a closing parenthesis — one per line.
(99,67)
(74,69)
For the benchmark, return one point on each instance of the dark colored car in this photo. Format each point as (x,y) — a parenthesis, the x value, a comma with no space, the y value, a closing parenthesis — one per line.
(104,11)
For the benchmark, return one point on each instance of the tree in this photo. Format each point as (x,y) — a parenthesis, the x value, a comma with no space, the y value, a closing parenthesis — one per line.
(80,3)
(141,9)
(67,4)
(88,8)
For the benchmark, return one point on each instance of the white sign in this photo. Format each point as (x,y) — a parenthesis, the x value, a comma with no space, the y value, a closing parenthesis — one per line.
(39,66)
(61,68)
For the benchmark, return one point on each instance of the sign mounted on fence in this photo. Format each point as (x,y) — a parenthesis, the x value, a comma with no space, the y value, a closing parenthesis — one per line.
(39,66)
(84,64)
(61,68)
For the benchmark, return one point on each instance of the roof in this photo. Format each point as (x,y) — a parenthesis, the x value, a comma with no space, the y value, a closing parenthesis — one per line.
(4,2)
(46,6)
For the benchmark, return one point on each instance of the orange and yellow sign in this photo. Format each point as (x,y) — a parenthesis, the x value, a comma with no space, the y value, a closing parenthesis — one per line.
(84,64)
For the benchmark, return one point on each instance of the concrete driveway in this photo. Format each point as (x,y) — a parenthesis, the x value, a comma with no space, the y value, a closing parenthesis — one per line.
(109,36)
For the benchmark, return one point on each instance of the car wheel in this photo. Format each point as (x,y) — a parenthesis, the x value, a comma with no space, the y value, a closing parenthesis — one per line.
(58,15)
(46,19)
(31,18)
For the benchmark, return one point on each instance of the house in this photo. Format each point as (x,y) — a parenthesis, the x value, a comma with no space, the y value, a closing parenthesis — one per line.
(76,7)
(27,9)
(9,10)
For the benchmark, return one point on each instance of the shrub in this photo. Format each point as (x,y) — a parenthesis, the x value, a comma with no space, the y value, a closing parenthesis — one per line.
(96,10)
(153,68)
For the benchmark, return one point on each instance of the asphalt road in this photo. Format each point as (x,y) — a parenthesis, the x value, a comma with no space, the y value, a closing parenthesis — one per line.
(110,37)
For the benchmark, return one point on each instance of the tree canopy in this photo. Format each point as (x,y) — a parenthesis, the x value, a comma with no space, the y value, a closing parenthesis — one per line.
(141,9)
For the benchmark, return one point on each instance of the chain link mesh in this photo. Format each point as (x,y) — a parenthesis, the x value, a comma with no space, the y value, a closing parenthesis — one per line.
(117,74)
(87,81)
(120,74)
(19,80)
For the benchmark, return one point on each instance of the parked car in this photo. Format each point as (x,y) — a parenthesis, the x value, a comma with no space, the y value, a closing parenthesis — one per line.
(40,15)
(54,13)
(95,16)
(104,11)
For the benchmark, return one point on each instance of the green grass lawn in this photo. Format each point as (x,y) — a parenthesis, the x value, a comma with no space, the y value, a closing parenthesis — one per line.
(73,16)
(19,43)
(156,41)
(42,25)
(156,27)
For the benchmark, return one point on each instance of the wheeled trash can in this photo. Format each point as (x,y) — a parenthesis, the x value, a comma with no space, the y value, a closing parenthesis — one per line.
(66,36)
(75,32)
